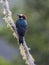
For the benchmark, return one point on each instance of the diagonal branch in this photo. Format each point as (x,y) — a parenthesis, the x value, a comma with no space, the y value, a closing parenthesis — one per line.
(24,50)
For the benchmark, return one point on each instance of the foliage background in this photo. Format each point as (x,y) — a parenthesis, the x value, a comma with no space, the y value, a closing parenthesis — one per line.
(37,36)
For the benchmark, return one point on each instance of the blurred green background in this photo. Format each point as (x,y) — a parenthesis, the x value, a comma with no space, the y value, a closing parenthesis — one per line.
(37,36)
